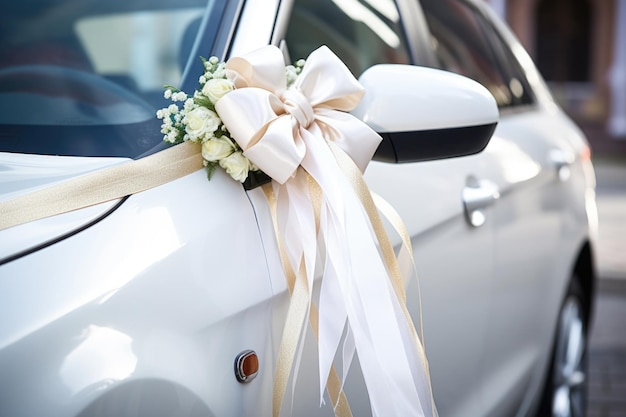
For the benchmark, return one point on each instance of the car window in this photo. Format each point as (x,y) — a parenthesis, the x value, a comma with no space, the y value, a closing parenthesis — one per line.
(521,93)
(85,77)
(361,33)
(464,42)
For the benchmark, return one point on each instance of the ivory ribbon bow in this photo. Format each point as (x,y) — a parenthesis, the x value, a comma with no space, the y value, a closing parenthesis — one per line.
(315,152)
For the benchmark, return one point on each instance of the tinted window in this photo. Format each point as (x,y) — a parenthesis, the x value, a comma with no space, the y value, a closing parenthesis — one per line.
(85,77)
(361,33)
(466,43)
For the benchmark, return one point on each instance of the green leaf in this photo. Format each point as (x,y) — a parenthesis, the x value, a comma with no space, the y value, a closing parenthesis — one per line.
(171,87)
(210,169)
(204,102)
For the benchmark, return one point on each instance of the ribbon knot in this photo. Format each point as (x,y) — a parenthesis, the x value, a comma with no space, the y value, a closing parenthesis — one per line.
(298,105)
(319,99)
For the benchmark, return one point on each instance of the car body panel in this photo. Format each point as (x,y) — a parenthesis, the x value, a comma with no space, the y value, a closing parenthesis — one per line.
(23,173)
(454,264)
(537,188)
(156,299)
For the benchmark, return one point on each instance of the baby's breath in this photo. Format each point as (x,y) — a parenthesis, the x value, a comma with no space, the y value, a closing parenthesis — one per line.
(182,121)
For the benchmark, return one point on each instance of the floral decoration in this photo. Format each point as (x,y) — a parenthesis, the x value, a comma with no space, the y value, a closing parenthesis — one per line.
(195,119)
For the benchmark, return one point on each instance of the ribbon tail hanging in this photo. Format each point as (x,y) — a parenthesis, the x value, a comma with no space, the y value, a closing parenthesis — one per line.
(389,355)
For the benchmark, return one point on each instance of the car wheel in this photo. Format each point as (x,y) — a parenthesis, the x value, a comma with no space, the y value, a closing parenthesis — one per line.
(565,393)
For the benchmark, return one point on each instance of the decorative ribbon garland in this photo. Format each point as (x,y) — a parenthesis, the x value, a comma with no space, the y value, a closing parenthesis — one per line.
(315,153)
(304,135)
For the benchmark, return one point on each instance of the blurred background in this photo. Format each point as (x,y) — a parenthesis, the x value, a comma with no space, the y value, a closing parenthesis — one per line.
(580,48)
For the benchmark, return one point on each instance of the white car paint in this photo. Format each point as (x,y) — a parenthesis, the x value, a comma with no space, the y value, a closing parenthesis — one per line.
(150,294)
(24,173)
(424,98)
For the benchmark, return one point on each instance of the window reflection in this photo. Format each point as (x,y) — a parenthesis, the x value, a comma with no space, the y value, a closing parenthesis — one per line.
(361,32)
(85,78)
(464,42)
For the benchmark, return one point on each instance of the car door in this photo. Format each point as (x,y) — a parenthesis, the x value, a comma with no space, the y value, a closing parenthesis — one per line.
(142,306)
(454,258)
(145,310)
(527,159)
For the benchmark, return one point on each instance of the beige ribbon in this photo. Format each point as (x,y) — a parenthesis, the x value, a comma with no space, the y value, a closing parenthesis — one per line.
(373,203)
(299,302)
(102,186)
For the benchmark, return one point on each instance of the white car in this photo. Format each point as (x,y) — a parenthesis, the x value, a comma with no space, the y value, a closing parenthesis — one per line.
(142,306)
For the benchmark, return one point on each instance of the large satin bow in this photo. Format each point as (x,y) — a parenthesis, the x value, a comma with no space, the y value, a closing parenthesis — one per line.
(323,214)
(268,120)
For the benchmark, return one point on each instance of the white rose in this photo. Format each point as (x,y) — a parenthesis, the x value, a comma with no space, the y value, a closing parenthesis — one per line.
(236,165)
(215,89)
(201,122)
(217,148)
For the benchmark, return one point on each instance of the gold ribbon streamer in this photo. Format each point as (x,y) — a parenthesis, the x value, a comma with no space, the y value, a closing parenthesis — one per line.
(294,321)
(102,186)
(354,175)
(296,313)
(397,223)
(333,385)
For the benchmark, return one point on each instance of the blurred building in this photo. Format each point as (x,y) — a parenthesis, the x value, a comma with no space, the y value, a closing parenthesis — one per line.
(580,48)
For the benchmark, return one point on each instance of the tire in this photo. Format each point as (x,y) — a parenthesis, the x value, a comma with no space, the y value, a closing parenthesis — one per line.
(565,392)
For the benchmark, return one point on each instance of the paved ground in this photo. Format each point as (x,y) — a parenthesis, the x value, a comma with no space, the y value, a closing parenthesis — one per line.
(607,356)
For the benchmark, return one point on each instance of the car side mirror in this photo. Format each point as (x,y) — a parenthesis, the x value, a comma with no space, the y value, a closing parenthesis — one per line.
(425,114)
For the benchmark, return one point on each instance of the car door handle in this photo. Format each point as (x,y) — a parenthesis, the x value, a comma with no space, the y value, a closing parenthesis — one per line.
(477,195)
(562,160)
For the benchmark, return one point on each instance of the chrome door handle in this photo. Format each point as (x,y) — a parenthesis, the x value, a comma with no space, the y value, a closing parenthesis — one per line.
(477,195)
(562,160)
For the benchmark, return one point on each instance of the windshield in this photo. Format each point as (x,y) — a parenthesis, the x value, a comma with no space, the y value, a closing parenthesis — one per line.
(85,77)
